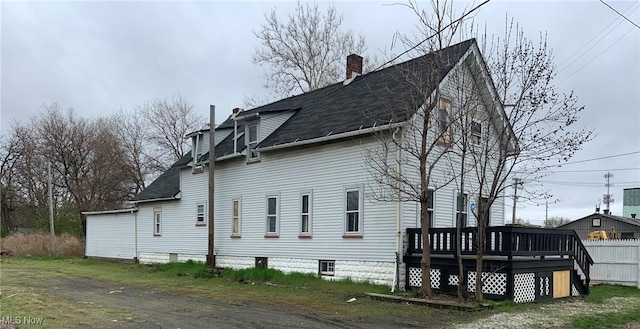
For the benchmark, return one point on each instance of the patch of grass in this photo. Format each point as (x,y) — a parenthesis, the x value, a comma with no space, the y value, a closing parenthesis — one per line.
(294,291)
(600,293)
(607,320)
(39,244)
(20,300)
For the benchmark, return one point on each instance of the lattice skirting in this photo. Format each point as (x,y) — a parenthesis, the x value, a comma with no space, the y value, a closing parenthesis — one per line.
(415,277)
(524,287)
(492,283)
(574,291)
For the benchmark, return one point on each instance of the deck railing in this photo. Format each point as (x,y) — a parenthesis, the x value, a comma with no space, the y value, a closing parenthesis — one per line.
(509,241)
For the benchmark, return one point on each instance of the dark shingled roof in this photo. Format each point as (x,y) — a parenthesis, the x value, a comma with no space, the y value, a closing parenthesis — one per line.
(166,185)
(377,98)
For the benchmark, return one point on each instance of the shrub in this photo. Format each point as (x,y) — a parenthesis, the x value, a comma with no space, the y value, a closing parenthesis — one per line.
(39,244)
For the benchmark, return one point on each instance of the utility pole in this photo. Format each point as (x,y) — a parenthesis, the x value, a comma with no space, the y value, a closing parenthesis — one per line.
(546,213)
(608,197)
(515,198)
(52,230)
(211,258)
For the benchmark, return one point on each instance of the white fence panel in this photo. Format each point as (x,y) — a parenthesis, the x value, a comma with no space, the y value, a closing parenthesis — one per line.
(615,261)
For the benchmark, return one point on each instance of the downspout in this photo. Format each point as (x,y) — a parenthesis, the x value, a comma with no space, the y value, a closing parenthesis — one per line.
(396,277)
(235,134)
(135,236)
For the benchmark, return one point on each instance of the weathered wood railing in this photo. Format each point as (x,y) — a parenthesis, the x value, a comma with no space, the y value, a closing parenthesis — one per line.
(509,241)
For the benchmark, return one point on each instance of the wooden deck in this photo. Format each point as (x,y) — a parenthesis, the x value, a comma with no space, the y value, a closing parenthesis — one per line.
(520,263)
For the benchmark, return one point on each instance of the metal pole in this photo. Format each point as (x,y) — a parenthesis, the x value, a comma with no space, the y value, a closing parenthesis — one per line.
(52,230)
(211,258)
(515,198)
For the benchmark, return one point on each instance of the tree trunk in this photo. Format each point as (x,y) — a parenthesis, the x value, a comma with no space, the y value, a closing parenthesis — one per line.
(482,226)
(425,264)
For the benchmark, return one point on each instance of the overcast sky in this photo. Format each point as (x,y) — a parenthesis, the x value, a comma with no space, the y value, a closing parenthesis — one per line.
(99,57)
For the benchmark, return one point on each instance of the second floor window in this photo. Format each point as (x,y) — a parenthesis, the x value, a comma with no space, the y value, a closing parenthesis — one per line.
(252,142)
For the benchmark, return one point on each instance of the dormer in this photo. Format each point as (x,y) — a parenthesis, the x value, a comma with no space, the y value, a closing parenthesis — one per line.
(199,146)
(251,127)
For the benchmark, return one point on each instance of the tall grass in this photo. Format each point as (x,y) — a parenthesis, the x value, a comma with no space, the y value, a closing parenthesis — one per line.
(39,244)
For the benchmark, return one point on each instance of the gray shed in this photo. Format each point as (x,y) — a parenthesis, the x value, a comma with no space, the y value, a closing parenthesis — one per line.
(626,228)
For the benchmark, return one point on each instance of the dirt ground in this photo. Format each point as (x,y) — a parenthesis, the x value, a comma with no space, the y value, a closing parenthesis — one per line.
(157,309)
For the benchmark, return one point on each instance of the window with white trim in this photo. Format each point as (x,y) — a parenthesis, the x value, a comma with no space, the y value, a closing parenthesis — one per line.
(462,202)
(200,214)
(305,214)
(327,267)
(272,215)
(252,142)
(235,217)
(157,221)
(595,222)
(353,211)
(476,133)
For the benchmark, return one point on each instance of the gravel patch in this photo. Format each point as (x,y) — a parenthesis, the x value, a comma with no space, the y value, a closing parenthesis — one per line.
(551,315)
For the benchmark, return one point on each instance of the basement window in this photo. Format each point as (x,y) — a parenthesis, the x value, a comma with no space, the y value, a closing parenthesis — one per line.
(327,267)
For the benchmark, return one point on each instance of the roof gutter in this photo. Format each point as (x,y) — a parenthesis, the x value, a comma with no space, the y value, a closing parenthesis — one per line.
(332,137)
(158,199)
(114,211)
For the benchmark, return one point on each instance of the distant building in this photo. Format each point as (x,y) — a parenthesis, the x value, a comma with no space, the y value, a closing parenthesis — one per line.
(625,227)
(631,202)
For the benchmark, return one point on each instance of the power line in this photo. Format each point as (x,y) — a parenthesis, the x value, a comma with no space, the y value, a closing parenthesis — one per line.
(623,16)
(597,38)
(595,57)
(595,170)
(403,53)
(574,59)
(433,35)
(595,159)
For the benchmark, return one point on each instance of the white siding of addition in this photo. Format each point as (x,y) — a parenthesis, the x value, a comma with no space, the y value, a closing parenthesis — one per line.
(269,122)
(180,235)
(110,235)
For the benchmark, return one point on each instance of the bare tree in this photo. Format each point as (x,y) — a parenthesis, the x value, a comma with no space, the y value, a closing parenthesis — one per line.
(305,52)
(555,221)
(168,121)
(520,130)
(403,161)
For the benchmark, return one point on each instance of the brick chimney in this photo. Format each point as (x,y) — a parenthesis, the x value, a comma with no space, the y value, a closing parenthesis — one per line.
(354,64)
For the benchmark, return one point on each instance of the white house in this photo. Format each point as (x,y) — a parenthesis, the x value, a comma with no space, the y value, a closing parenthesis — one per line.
(292,190)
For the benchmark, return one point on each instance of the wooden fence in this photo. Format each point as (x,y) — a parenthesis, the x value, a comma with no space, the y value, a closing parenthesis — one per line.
(615,261)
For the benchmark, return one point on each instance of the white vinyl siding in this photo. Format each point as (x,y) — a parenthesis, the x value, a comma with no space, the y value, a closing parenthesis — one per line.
(269,122)
(288,172)
(111,236)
